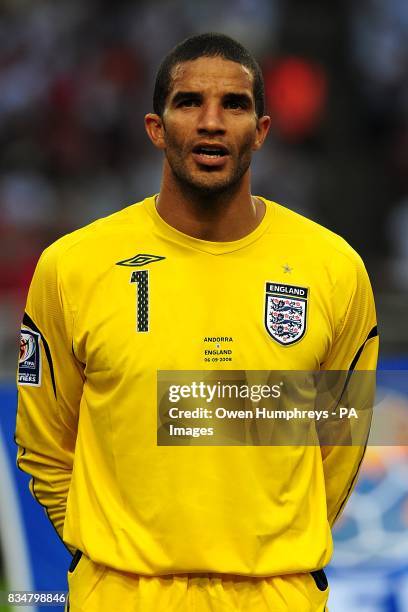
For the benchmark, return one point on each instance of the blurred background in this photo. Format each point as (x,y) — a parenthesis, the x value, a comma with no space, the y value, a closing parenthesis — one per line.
(76,79)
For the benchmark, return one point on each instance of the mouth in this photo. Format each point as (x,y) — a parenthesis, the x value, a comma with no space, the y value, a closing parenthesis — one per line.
(211,155)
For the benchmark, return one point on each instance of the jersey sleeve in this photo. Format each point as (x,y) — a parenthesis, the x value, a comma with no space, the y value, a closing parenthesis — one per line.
(355,348)
(49,381)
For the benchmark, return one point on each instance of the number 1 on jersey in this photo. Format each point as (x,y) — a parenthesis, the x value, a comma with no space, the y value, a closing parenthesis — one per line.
(141,277)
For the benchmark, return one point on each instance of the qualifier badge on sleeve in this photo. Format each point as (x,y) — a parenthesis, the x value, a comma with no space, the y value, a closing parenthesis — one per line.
(29,367)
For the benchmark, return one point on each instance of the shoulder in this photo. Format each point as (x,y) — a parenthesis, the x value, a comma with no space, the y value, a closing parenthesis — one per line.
(94,239)
(327,246)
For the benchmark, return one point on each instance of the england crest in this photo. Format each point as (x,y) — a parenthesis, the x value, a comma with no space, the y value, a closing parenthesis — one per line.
(285,312)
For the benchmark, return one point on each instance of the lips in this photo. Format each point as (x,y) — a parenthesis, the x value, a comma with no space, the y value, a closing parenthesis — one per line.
(210,154)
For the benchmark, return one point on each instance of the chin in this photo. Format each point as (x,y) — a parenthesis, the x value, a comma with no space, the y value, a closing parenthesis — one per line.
(206,183)
(210,185)
(211,188)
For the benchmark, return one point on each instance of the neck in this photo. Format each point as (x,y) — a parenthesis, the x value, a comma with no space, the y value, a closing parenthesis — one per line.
(219,218)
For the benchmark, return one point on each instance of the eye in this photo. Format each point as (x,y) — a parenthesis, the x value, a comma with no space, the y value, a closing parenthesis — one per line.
(188,102)
(237,102)
(234,104)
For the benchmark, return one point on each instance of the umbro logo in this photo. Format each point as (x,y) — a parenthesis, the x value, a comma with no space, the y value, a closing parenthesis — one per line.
(141,259)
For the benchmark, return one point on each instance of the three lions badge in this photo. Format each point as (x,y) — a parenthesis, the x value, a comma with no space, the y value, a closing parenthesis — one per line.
(285,312)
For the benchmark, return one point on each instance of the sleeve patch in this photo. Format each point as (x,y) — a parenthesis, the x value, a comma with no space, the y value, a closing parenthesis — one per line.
(29,366)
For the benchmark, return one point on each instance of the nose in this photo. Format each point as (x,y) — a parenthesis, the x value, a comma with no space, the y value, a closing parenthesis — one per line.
(211,119)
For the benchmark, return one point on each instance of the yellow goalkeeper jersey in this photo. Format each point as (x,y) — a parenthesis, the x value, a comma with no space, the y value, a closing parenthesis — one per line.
(114,303)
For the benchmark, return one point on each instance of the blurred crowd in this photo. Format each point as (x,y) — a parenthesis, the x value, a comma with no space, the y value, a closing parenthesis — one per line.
(76,79)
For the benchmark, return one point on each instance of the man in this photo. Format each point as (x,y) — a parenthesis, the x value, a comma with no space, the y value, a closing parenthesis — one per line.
(192,279)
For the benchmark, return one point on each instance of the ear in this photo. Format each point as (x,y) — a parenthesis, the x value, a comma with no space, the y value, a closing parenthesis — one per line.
(262,129)
(155,130)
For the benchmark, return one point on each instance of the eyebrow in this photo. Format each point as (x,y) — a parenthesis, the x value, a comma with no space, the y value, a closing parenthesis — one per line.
(241,98)
(182,95)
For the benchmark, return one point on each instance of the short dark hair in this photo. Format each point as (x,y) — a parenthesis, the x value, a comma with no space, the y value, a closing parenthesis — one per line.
(210,44)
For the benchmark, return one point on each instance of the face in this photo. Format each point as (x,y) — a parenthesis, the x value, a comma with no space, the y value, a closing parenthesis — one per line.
(209,126)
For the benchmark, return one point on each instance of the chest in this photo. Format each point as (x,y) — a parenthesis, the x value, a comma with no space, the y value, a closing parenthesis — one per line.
(205,312)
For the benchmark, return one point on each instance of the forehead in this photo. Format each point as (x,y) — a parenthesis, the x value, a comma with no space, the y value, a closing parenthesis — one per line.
(211,73)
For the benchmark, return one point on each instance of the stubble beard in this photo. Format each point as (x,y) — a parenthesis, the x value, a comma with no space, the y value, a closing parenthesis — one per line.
(205,183)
